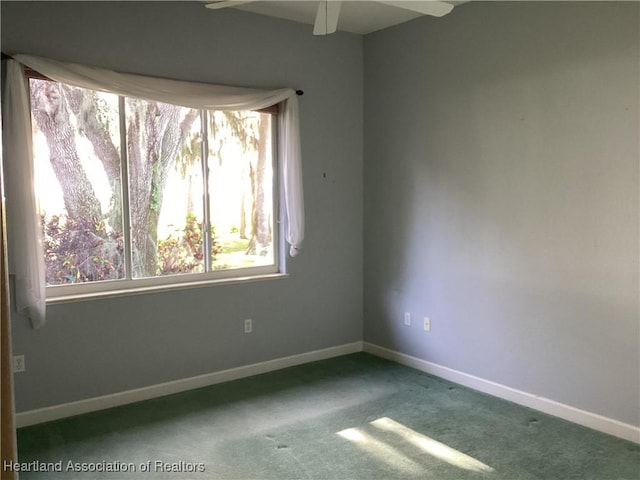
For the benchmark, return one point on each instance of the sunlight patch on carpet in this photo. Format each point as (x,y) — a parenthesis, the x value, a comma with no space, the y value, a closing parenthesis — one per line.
(381,450)
(397,437)
(431,446)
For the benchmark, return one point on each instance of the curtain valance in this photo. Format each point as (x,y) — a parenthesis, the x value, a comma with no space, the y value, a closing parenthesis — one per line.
(186,94)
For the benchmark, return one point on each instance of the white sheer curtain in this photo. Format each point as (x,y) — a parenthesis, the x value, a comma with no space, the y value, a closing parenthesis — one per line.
(26,259)
(23,228)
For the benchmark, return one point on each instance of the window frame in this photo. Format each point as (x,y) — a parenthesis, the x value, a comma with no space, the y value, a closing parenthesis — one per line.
(132,286)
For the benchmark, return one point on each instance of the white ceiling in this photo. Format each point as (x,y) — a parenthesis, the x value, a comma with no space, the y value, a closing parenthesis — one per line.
(356,16)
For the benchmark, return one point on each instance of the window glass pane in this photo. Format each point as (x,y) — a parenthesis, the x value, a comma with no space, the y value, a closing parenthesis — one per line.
(165,188)
(76,141)
(241,189)
(77,155)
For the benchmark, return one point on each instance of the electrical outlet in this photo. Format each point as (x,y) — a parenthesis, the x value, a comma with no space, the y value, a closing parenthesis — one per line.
(427,324)
(407,318)
(248,325)
(18,364)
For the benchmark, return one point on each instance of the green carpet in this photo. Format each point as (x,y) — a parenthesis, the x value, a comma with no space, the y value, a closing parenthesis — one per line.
(353,417)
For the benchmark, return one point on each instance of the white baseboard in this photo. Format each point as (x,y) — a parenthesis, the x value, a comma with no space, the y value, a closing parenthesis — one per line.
(551,407)
(56,412)
(545,405)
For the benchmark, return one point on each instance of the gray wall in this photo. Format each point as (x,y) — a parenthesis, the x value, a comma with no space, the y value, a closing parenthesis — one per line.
(100,347)
(501,196)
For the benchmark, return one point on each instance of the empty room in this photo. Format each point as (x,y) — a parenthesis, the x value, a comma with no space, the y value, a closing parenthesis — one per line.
(320,240)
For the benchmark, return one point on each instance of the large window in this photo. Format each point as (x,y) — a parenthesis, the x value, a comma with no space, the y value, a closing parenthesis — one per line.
(137,193)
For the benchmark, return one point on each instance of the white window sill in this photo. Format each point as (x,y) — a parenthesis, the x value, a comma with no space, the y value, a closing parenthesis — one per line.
(81,297)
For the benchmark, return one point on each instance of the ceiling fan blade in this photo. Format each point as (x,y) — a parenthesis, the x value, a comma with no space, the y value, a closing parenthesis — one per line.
(426,7)
(227,3)
(327,17)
